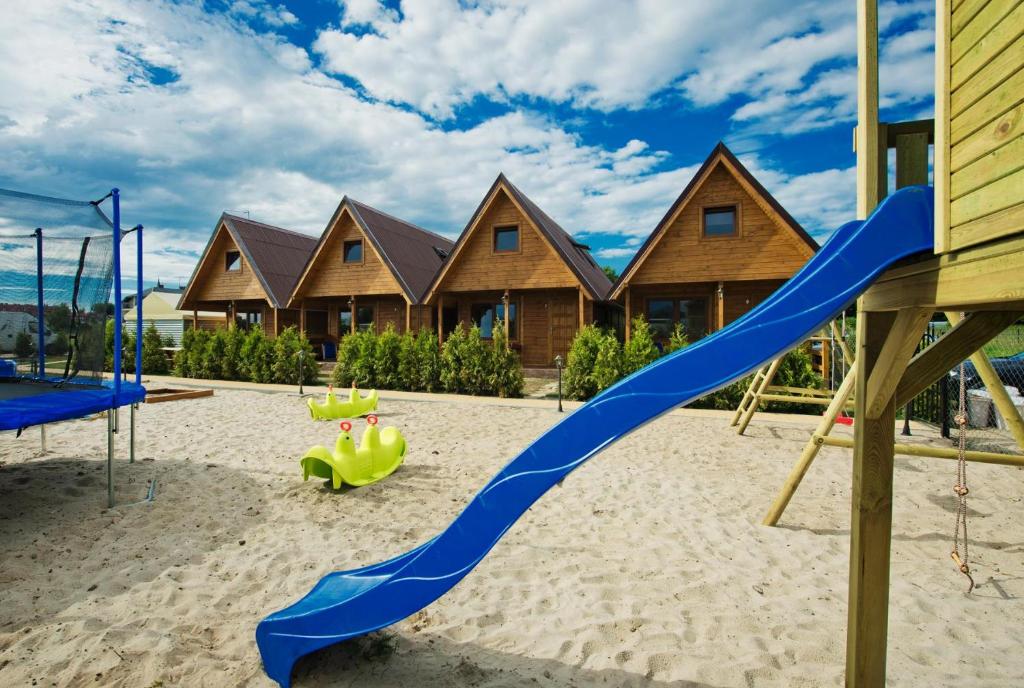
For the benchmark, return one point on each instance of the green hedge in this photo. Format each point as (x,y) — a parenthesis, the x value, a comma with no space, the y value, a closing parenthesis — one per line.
(236,354)
(465,364)
(154,360)
(597,361)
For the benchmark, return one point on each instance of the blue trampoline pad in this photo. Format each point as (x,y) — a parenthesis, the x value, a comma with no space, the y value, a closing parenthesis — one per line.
(27,401)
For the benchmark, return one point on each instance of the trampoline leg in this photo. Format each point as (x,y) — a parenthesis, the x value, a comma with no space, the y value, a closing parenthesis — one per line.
(110,459)
(42,439)
(131,446)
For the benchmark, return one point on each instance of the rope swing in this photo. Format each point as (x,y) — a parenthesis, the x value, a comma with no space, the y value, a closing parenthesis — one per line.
(960,489)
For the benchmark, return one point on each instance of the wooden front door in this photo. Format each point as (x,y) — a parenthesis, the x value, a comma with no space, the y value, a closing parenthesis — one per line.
(547,327)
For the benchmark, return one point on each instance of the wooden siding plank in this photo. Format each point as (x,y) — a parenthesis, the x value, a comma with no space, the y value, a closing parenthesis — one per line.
(989,47)
(762,249)
(1003,223)
(963,12)
(1000,163)
(980,25)
(998,195)
(1005,127)
(993,72)
(217,284)
(1009,94)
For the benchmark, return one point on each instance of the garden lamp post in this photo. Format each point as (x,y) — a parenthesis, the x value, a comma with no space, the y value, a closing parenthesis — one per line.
(558,364)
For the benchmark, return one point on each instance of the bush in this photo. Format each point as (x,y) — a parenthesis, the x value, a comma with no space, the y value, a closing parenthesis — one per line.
(640,349)
(356,358)
(408,376)
(451,360)
(23,345)
(231,365)
(154,361)
(428,361)
(678,339)
(476,364)
(506,372)
(595,362)
(286,361)
(181,357)
(385,359)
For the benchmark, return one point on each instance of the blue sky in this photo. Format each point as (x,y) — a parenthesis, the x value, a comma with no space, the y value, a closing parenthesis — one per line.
(600,111)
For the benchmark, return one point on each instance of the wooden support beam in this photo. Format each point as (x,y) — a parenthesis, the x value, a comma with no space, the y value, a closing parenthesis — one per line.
(508,306)
(847,354)
(629,312)
(757,395)
(440,319)
(302,317)
(911,159)
(867,140)
(995,387)
(277,330)
(408,316)
(871,508)
(926,452)
(811,449)
(720,315)
(195,319)
(966,337)
(907,328)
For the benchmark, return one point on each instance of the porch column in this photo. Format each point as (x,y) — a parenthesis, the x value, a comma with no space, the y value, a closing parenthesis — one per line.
(276,330)
(195,319)
(440,319)
(721,305)
(302,317)
(352,325)
(229,313)
(629,311)
(408,316)
(507,298)
(582,322)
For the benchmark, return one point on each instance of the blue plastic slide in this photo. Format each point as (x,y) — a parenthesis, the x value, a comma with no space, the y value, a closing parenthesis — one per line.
(351,603)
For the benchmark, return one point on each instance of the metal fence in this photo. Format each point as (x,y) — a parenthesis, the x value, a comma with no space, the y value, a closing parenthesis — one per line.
(986,428)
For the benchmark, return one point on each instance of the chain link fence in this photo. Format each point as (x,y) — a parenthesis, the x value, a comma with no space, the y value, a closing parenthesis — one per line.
(987,430)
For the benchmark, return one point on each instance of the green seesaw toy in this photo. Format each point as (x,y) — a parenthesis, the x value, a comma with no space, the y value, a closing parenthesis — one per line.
(379,455)
(332,409)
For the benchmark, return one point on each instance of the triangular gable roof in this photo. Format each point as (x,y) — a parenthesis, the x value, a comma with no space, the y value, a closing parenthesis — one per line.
(720,153)
(574,254)
(411,253)
(276,255)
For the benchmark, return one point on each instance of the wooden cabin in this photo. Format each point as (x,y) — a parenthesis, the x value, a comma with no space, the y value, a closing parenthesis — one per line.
(248,270)
(368,270)
(514,263)
(724,245)
(974,268)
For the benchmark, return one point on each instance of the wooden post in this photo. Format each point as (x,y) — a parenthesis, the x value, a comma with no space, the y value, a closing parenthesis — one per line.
(277,331)
(228,312)
(753,396)
(995,387)
(352,325)
(582,323)
(871,512)
(629,311)
(408,316)
(720,316)
(195,319)
(440,319)
(302,317)
(811,449)
(911,159)
(867,107)
(508,305)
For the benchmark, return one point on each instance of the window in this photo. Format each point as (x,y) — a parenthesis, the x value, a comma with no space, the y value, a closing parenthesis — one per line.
(720,222)
(506,239)
(485,315)
(661,318)
(353,251)
(233,261)
(364,318)
(248,319)
(344,322)
(663,314)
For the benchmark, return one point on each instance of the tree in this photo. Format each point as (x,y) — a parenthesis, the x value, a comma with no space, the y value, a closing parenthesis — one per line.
(23,345)
(154,361)
(640,349)
(611,272)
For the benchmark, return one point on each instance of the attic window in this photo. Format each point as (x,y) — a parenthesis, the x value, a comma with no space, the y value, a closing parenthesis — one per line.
(720,222)
(506,239)
(353,251)
(233,261)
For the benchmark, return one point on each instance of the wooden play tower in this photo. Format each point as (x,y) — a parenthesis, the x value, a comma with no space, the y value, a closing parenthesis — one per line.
(977,267)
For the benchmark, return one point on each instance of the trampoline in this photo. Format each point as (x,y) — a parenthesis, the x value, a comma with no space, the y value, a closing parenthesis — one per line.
(59,260)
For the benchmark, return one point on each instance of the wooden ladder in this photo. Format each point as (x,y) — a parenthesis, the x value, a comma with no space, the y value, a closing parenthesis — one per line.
(752,397)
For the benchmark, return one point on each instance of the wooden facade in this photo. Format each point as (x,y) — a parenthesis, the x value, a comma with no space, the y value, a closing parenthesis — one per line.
(337,293)
(544,287)
(246,271)
(684,275)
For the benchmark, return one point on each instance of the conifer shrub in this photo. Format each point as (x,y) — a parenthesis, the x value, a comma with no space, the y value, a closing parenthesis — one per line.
(154,361)
(678,339)
(428,361)
(506,371)
(452,354)
(640,349)
(386,359)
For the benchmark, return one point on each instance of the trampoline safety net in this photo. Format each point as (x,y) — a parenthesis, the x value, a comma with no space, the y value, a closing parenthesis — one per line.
(56,262)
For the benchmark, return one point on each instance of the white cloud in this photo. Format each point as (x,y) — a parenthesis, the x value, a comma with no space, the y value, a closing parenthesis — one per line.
(615,252)
(243,120)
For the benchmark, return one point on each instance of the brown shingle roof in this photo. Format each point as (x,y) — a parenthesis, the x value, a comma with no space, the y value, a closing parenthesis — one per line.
(413,254)
(277,255)
(720,150)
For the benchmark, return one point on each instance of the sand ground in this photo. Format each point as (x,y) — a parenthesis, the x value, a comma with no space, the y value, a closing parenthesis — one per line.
(647,568)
